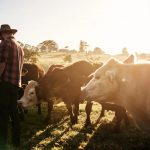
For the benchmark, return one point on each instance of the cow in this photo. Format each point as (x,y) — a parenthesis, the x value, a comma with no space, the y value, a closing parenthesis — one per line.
(127,85)
(30,71)
(63,82)
(35,72)
(120,112)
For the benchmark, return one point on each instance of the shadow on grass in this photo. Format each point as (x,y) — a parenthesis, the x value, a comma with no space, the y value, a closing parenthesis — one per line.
(58,134)
(75,142)
(127,139)
(47,133)
(36,134)
(35,129)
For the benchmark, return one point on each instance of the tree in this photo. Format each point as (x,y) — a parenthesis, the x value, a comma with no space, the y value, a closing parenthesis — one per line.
(30,55)
(125,51)
(43,48)
(21,44)
(98,50)
(50,45)
(68,58)
(83,46)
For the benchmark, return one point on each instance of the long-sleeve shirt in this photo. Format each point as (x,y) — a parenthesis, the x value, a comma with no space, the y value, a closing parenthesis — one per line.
(12,54)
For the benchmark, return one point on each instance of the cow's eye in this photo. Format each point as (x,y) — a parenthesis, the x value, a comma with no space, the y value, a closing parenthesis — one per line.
(97,77)
(31,93)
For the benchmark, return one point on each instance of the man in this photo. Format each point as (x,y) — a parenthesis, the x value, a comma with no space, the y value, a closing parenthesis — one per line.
(11,62)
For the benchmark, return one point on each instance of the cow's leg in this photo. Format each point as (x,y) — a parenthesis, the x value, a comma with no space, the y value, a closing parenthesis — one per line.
(126,119)
(69,107)
(25,111)
(76,112)
(88,109)
(21,113)
(119,118)
(50,107)
(39,109)
(100,116)
(20,109)
(120,115)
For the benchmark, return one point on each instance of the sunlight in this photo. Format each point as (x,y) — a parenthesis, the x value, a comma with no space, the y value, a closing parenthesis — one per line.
(126,24)
(108,24)
(114,25)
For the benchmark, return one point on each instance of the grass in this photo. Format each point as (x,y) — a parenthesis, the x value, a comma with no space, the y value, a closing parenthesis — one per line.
(36,134)
(47,59)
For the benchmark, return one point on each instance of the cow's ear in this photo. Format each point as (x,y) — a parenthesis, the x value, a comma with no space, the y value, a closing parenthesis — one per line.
(131,59)
(24,72)
(111,75)
(113,62)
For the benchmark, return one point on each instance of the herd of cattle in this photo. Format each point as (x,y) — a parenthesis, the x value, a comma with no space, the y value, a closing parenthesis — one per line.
(117,86)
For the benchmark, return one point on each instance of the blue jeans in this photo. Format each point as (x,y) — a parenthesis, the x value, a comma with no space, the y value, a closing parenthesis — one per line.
(9,109)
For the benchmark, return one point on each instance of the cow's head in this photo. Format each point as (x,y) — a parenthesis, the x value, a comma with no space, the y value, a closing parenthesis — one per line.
(29,97)
(104,82)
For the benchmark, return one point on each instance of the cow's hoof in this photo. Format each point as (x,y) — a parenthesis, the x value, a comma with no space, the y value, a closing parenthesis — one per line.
(48,121)
(87,123)
(116,130)
(22,118)
(26,111)
(39,112)
(89,128)
(73,121)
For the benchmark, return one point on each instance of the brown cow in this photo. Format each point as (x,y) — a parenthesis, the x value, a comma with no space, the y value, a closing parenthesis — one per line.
(129,86)
(64,82)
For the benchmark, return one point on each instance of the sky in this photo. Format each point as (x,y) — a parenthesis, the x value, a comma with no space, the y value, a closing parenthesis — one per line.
(108,24)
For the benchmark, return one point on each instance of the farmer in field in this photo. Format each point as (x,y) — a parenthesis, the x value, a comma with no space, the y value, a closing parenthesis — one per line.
(11,62)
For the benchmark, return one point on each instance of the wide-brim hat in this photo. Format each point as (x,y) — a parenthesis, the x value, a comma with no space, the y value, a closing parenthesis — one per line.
(6,28)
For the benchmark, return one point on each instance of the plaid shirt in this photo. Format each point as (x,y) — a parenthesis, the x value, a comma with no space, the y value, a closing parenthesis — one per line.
(12,54)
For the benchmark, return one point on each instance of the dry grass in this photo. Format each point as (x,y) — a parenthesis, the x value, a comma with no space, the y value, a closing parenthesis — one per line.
(48,59)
